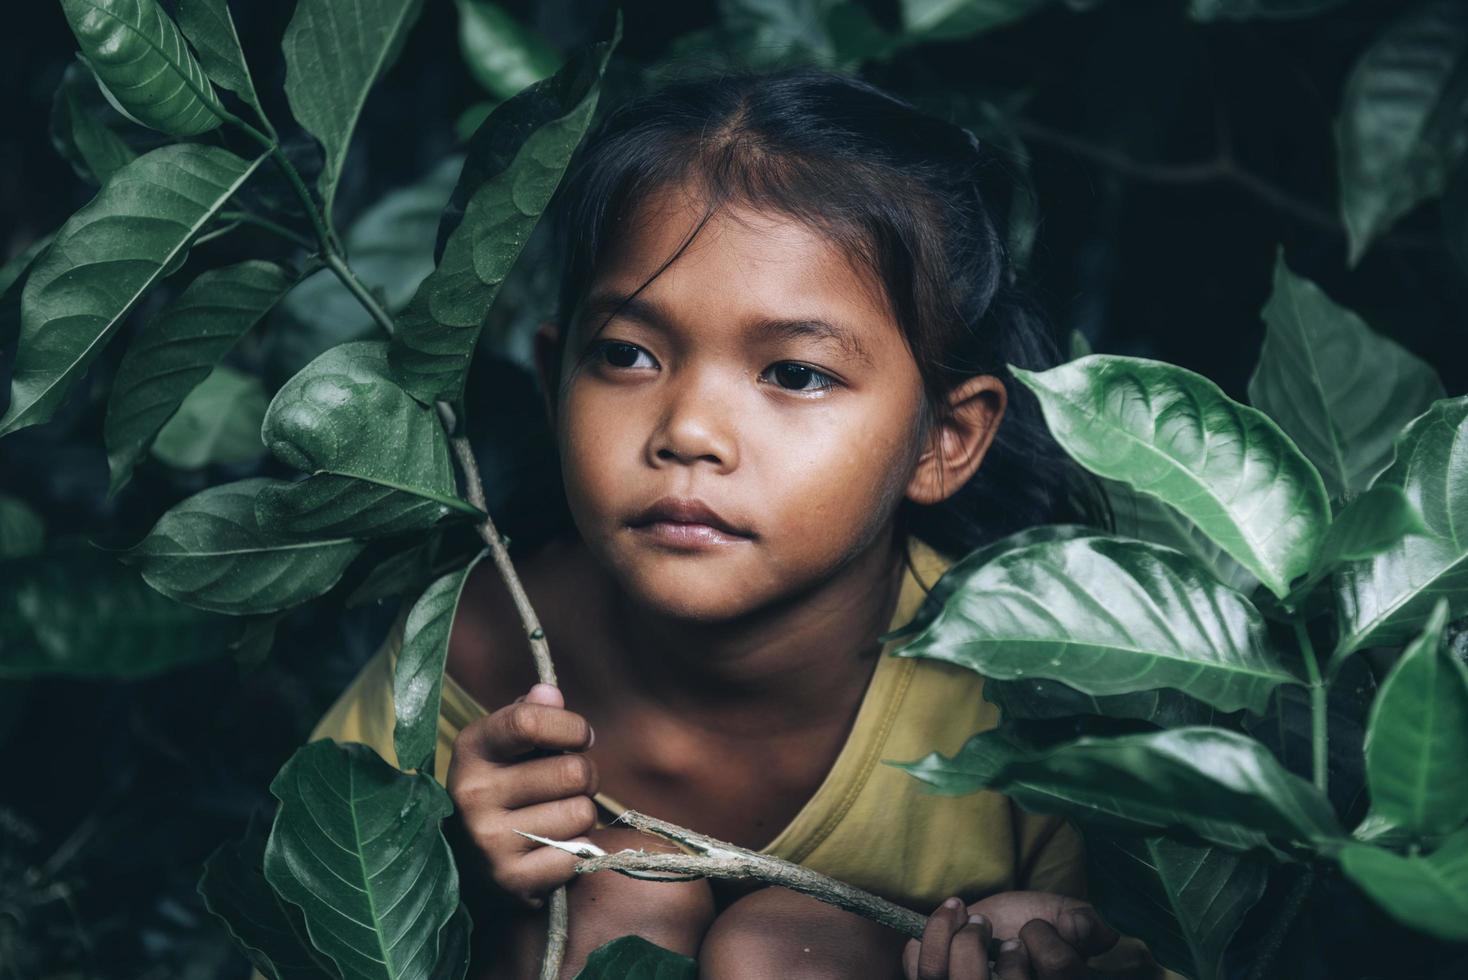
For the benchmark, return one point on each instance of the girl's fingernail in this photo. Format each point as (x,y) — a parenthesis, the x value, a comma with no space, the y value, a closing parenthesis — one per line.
(951,903)
(977,920)
(1009,946)
(591,740)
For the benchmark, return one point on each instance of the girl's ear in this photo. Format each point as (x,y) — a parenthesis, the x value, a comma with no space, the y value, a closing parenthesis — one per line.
(547,337)
(957,444)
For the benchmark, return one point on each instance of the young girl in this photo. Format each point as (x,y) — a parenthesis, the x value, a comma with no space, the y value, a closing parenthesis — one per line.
(780,401)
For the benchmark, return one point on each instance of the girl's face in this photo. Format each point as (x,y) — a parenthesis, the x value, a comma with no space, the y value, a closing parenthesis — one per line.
(761,374)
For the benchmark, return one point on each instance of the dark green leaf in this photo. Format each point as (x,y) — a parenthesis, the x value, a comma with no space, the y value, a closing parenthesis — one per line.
(210,552)
(1429,894)
(1171,433)
(1222,787)
(1184,901)
(941,20)
(217,423)
(358,846)
(1417,739)
(104,259)
(1208,10)
(515,162)
(406,571)
(502,54)
(175,352)
(634,958)
(335,51)
(141,58)
(1340,391)
(1455,217)
(1106,616)
(1403,123)
(22,532)
(12,284)
(1031,700)
(1367,526)
(79,131)
(418,676)
(210,29)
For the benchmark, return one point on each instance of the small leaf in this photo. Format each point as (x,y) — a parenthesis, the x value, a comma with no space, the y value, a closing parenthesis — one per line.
(217,423)
(358,847)
(335,51)
(1417,739)
(1173,434)
(141,58)
(1367,526)
(1340,391)
(418,675)
(1403,123)
(1106,616)
(634,958)
(210,552)
(176,350)
(104,259)
(1428,894)
(79,131)
(210,29)
(503,55)
(1211,10)
(22,532)
(407,571)
(943,20)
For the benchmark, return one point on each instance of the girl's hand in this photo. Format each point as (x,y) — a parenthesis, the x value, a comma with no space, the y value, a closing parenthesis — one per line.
(1042,937)
(521,768)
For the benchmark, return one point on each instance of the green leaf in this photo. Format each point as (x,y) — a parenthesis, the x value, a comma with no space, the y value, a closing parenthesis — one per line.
(335,51)
(634,958)
(1106,616)
(407,571)
(1144,517)
(514,164)
(174,353)
(358,846)
(217,423)
(79,130)
(332,420)
(104,259)
(1386,599)
(418,678)
(1211,10)
(1341,391)
(1417,739)
(1220,786)
(1184,901)
(944,20)
(1403,123)
(210,29)
(79,613)
(1428,894)
(22,532)
(210,552)
(1168,432)
(1367,526)
(1036,700)
(142,60)
(503,55)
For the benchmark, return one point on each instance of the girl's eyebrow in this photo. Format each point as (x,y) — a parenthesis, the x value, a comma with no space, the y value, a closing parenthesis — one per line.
(602,304)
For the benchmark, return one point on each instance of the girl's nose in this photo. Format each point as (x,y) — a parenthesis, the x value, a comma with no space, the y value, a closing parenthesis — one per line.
(695,425)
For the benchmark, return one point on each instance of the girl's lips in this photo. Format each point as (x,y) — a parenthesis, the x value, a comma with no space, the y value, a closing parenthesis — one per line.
(687,536)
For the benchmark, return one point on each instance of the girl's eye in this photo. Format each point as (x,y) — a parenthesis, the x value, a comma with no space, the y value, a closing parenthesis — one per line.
(793,376)
(620,354)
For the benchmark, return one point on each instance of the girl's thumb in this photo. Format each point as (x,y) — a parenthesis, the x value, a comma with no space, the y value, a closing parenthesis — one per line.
(546,694)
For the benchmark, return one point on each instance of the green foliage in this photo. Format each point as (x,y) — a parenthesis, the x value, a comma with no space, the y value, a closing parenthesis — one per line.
(504,55)
(21,529)
(634,958)
(1428,892)
(210,29)
(80,128)
(217,422)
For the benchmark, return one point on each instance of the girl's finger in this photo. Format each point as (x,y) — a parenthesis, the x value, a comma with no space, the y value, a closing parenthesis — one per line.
(968,954)
(554,777)
(1013,962)
(909,959)
(1051,957)
(533,876)
(937,935)
(558,820)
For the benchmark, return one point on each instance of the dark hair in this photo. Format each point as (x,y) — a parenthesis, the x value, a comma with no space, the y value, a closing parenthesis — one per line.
(897,189)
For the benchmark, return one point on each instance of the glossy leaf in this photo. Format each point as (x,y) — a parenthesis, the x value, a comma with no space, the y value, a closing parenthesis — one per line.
(1367,526)
(503,55)
(13,277)
(1106,616)
(1386,599)
(357,846)
(79,130)
(1144,517)
(942,20)
(634,958)
(1428,894)
(514,164)
(1171,433)
(1211,10)
(217,423)
(1403,123)
(1417,739)
(210,552)
(1223,787)
(210,28)
(418,675)
(1186,901)
(335,51)
(141,58)
(104,259)
(176,350)
(1341,391)
(22,532)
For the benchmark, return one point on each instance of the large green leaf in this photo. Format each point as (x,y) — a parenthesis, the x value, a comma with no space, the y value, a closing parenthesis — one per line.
(1222,787)
(634,958)
(210,552)
(357,845)
(176,350)
(1171,433)
(1429,894)
(141,58)
(514,164)
(502,54)
(1403,123)
(210,29)
(1417,739)
(332,420)
(1106,616)
(1386,599)
(1340,391)
(22,532)
(940,20)
(79,613)
(79,129)
(335,51)
(104,259)
(418,677)
(1143,516)
(1185,901)
(217,423)
(1207,10)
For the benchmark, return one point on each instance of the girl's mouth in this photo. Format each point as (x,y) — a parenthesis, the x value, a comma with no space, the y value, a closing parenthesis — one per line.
(686,536)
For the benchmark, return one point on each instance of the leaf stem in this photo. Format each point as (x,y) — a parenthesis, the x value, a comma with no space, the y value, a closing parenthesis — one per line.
(344,272)
(259,221)
(1319,717)
(324,235)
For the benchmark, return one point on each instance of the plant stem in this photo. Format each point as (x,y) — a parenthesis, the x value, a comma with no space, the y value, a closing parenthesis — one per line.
(250,218)
(1280,928)
(344,272)
(1319,716)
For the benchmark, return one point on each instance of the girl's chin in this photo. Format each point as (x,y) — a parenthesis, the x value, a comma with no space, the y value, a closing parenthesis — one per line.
(702,595)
